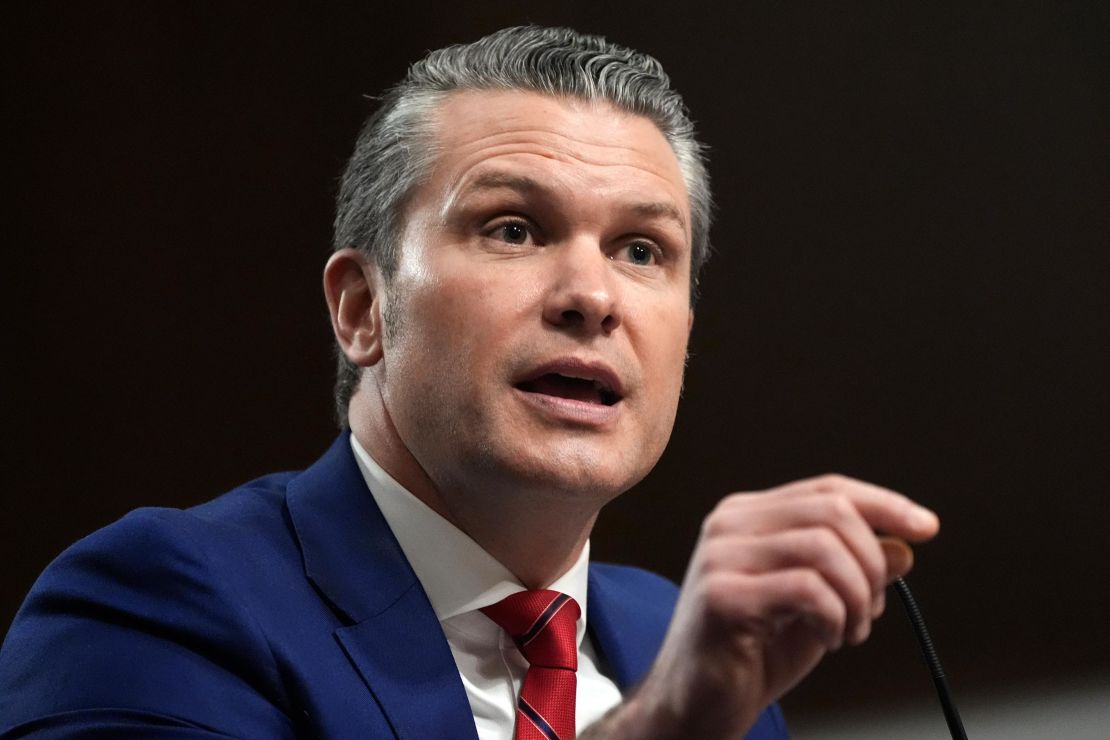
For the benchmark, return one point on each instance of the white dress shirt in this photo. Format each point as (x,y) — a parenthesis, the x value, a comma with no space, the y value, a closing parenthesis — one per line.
(460,578)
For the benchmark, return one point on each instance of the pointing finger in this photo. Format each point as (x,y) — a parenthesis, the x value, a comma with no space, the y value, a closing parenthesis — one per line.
(885,510)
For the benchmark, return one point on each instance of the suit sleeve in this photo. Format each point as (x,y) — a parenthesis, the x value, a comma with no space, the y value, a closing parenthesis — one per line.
(132,633)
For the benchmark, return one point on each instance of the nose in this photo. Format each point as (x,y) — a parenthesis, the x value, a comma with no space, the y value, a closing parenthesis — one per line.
(583,292)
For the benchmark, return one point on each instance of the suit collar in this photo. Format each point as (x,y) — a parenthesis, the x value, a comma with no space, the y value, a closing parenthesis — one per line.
(392,636)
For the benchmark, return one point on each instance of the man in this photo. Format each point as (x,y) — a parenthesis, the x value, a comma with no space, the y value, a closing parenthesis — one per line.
(517,245)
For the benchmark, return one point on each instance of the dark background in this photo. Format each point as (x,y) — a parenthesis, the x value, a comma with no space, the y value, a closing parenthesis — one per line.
(912,282)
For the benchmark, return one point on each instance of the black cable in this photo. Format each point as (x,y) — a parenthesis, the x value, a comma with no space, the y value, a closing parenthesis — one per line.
(951,714)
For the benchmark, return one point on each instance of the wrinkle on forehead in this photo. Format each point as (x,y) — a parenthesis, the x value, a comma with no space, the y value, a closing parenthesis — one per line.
(583,134)
(537,115)
(559,148)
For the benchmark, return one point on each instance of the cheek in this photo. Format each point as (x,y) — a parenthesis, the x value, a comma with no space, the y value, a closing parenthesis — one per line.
(465,319)
(666,341)
(664,374)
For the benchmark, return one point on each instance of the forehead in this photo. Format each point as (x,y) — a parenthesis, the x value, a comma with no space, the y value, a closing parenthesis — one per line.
(568,142)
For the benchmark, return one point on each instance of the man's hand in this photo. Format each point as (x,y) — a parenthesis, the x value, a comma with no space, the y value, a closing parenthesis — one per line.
(778,579)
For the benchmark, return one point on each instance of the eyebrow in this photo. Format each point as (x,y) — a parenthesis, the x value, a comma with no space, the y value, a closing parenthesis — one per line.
(494,180)
(527,186)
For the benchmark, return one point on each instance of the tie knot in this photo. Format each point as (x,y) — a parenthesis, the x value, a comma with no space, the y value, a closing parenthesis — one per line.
(543,624)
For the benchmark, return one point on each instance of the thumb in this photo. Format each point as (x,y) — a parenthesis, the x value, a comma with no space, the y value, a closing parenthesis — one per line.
(899,557)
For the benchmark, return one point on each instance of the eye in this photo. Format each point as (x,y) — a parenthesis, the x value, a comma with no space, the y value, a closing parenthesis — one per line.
(511,232)
(639,253)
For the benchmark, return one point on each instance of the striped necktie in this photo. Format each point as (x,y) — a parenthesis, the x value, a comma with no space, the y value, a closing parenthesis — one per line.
(543,624)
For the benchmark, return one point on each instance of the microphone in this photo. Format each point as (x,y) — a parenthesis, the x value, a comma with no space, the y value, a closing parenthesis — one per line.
(951,714)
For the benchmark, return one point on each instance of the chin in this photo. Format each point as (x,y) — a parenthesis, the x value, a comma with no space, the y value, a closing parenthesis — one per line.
(576,471)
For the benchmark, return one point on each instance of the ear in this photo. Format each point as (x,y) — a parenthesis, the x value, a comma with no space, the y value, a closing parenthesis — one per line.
(352,287)
(690,322)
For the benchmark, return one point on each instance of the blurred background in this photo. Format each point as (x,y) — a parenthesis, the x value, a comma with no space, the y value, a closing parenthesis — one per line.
(911,285)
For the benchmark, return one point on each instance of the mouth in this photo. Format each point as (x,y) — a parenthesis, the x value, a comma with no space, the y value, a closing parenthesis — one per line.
(575,381)
(575,389)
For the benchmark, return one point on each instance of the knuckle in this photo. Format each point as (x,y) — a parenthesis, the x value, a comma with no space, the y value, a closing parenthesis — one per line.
(717,522)
(807,584)
(830,482)
(718,593)
(840,507)
(814,597)
(710,559)
(732,500)
(825,541)
(713,525)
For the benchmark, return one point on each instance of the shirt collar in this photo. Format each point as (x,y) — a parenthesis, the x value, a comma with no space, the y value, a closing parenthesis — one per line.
(457,574)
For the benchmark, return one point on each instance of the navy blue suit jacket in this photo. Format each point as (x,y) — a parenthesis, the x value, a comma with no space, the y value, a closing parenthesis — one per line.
(282,609)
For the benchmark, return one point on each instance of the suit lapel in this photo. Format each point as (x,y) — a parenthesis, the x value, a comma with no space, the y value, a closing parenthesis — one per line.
(628,614)
(404,660)
(394,639)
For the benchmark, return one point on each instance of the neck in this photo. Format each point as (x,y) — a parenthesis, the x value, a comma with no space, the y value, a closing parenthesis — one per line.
(537,553)
(499,516)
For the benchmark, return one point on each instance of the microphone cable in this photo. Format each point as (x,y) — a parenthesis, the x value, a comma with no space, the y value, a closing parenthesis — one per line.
(951,714)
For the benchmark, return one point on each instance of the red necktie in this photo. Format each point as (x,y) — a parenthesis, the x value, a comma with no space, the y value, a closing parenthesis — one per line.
(543,624)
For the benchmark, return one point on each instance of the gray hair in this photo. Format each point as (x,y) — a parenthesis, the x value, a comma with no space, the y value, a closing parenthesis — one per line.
(396,147)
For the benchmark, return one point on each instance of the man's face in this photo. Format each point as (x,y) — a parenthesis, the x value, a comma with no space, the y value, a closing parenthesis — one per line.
(538,319)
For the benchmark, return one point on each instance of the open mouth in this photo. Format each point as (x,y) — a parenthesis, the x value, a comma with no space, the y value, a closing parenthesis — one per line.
(575,389)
